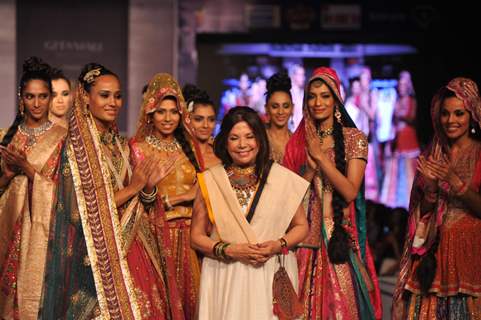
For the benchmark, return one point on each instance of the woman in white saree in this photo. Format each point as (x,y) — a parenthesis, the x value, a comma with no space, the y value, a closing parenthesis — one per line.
(248,212)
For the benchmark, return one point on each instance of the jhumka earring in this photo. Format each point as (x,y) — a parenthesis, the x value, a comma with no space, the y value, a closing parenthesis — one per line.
(337,114)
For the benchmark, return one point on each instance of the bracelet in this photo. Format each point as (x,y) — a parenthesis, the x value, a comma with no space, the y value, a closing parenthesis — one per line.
(462,190)
(284,249)
(167,205)
(148,198)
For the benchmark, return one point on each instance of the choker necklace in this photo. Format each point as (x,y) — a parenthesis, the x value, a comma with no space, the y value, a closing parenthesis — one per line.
(33,133)
(161,145)
(242,171)
(324,133)
(107,137)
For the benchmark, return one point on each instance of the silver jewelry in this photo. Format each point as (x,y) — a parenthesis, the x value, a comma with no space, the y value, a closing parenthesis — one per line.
(33,133)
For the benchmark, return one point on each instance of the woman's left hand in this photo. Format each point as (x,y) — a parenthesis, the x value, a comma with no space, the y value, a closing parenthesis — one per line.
(269,248)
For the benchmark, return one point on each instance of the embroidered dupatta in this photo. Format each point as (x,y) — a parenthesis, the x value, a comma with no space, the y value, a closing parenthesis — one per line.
(88,274)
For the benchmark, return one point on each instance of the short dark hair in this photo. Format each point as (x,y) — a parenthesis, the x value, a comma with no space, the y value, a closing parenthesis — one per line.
(250,116)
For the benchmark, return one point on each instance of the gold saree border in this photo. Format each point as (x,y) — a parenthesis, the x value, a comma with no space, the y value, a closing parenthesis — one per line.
(100,222)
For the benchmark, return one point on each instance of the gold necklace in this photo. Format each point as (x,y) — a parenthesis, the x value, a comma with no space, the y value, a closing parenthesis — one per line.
(163,145)
(244,183)
(324,133)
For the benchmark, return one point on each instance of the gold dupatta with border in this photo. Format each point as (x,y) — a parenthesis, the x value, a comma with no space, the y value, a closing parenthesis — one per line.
(35,210)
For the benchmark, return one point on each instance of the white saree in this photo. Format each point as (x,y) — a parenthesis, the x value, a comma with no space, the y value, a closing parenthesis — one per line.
(235,290)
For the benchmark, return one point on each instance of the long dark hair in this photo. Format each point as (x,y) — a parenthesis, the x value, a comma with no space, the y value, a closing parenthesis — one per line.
(234,116)
(33,69)
(339,243)
(179,134)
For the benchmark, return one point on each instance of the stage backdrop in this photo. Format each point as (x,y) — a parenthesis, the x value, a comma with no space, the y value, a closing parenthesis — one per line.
(69,34)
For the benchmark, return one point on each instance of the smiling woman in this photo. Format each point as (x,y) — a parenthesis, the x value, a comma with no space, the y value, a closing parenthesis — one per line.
(242,201)
(101,222)
(164,132)
(279,108)
(439,276)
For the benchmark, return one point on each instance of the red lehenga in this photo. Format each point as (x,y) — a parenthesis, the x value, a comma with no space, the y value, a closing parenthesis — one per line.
(150,267)
(26,208)
(450,232)
(457,280)
(176,221)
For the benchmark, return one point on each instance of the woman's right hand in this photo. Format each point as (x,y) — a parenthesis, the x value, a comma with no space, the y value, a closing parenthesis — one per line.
(246,253)
(141,174)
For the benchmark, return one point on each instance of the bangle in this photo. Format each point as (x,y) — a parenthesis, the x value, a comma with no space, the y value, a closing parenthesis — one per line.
(222,251)
(167,205)
(214,248)
(461,190)
(284,249)
(148,198)
(219,250)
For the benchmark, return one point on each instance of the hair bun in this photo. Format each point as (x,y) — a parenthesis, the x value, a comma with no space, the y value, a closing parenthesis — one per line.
(279,82)
(35,64)
(193,93)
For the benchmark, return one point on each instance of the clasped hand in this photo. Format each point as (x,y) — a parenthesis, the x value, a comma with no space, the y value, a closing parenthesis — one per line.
(15,159)
(149,172)
(437,167)
(316,151)
(254,254)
